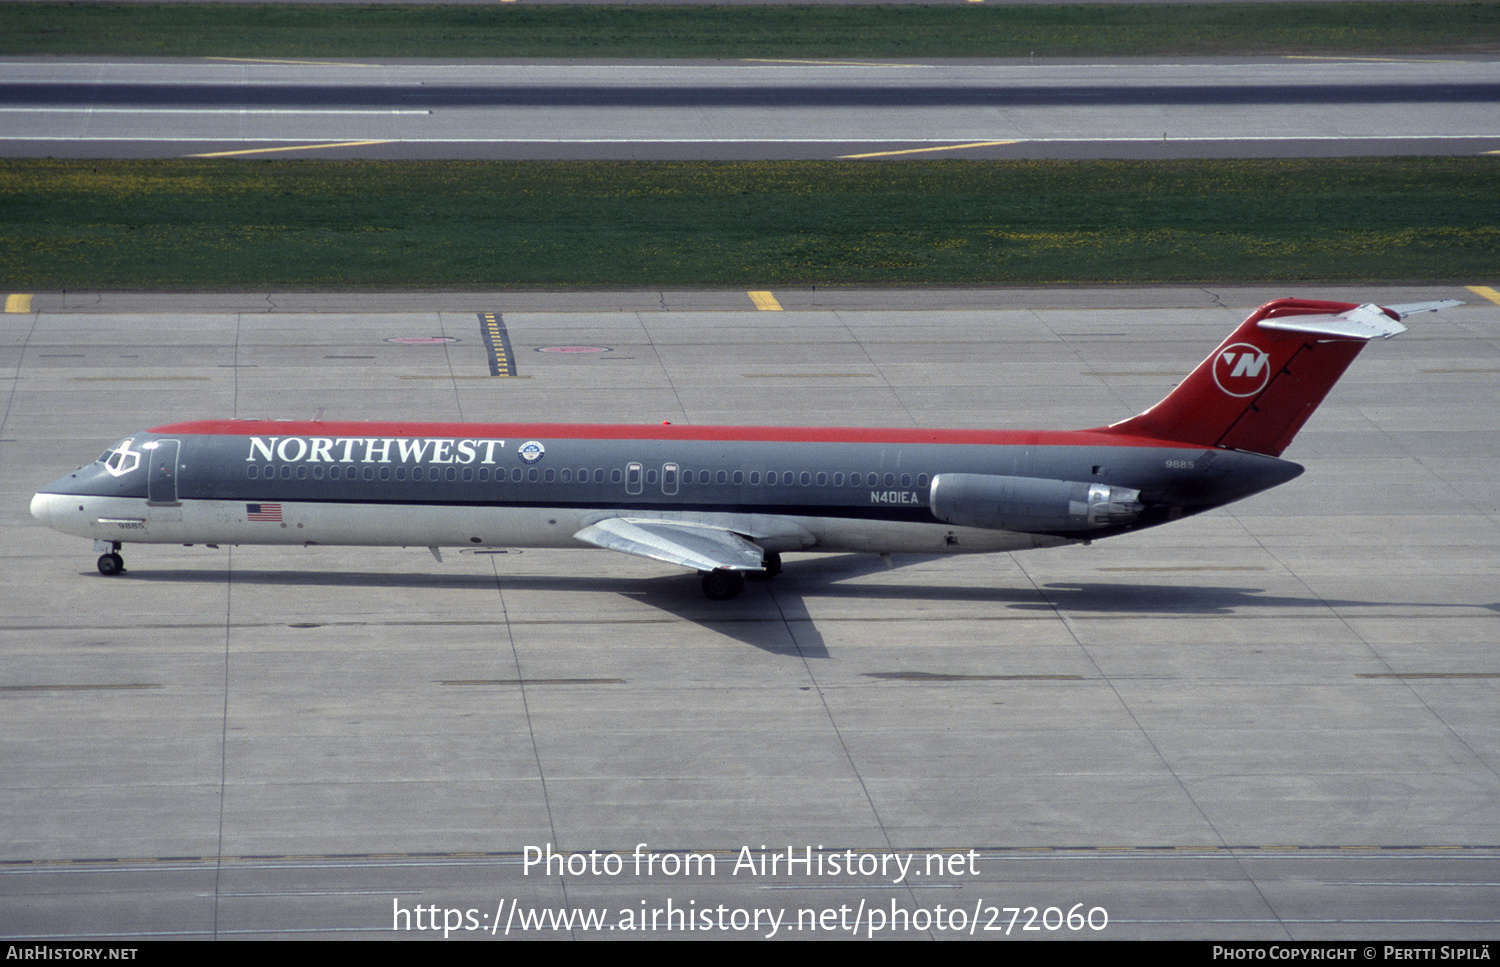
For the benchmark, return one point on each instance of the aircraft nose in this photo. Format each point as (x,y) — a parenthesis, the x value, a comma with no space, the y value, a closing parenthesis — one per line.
(41,508)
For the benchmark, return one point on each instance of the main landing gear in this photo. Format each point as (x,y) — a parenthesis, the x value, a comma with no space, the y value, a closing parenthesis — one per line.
(771,564)
(110,562)
(723,584)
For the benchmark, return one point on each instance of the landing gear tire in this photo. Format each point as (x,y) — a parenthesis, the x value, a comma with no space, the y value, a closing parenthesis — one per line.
(722,584)
(772,567)
(110,564)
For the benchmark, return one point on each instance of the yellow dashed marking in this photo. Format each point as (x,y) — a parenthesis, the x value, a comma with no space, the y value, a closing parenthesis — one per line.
(947,147)
(764,301)
(495,337)
(18,302)
(299,147)
(1479,290)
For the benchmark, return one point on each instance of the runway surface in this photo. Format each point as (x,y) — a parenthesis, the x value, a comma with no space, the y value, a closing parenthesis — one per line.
(766,109)
(1277,721)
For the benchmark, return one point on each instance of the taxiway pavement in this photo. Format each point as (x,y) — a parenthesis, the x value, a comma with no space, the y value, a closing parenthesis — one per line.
(749,109)
(1277,721)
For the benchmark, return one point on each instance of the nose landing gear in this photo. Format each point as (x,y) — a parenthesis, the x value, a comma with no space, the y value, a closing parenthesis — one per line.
(110,562)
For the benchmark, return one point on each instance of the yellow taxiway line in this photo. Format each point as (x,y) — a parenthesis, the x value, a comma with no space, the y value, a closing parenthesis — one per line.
(299,147)
(764,301)
(946,147)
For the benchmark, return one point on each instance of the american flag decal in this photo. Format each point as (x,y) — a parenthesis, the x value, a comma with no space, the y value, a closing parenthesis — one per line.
(268,512)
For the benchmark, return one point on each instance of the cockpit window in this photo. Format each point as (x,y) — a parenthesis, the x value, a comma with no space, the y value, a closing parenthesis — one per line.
(121,460)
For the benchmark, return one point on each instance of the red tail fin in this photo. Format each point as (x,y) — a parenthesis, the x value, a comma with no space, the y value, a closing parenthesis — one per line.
(1257,389)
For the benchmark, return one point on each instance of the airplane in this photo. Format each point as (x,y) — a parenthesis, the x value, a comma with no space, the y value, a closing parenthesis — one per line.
(728,501)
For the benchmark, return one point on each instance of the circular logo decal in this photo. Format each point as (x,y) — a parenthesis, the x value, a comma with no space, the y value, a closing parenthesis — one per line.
(572,349)
(531,451)
(420,340)
(1242,369)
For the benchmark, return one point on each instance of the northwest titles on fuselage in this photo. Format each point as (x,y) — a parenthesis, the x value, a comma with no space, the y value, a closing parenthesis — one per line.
(445,450)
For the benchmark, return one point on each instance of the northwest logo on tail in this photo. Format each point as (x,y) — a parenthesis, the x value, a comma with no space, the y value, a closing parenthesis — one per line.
(1242,369)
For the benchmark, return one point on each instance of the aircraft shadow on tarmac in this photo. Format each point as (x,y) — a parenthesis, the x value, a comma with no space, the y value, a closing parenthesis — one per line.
(774,617)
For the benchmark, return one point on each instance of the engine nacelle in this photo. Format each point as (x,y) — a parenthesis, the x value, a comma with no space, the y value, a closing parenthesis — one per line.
(1030,504)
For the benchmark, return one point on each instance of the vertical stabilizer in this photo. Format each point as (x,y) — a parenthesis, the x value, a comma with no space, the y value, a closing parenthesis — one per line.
(1257,389)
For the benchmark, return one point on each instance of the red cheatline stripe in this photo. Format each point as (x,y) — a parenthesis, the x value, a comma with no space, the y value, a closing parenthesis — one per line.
(603,431)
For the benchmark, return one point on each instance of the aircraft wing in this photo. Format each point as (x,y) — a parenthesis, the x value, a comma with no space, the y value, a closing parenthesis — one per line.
(1365,322)
(697,546)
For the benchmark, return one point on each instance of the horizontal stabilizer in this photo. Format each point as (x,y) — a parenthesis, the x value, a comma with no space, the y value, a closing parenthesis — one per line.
(1368,321)
(1412,308)
(695,546)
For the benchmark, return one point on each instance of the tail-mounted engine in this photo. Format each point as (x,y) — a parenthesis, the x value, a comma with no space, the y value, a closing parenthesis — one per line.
(1031,505)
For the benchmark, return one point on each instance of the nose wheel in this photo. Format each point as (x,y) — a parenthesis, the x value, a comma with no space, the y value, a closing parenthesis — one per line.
(110,564)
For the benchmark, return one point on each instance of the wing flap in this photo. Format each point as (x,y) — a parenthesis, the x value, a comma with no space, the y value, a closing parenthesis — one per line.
(695,546)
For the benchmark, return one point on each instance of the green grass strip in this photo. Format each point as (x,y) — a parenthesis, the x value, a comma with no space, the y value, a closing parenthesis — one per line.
(961,30)
(192,224)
